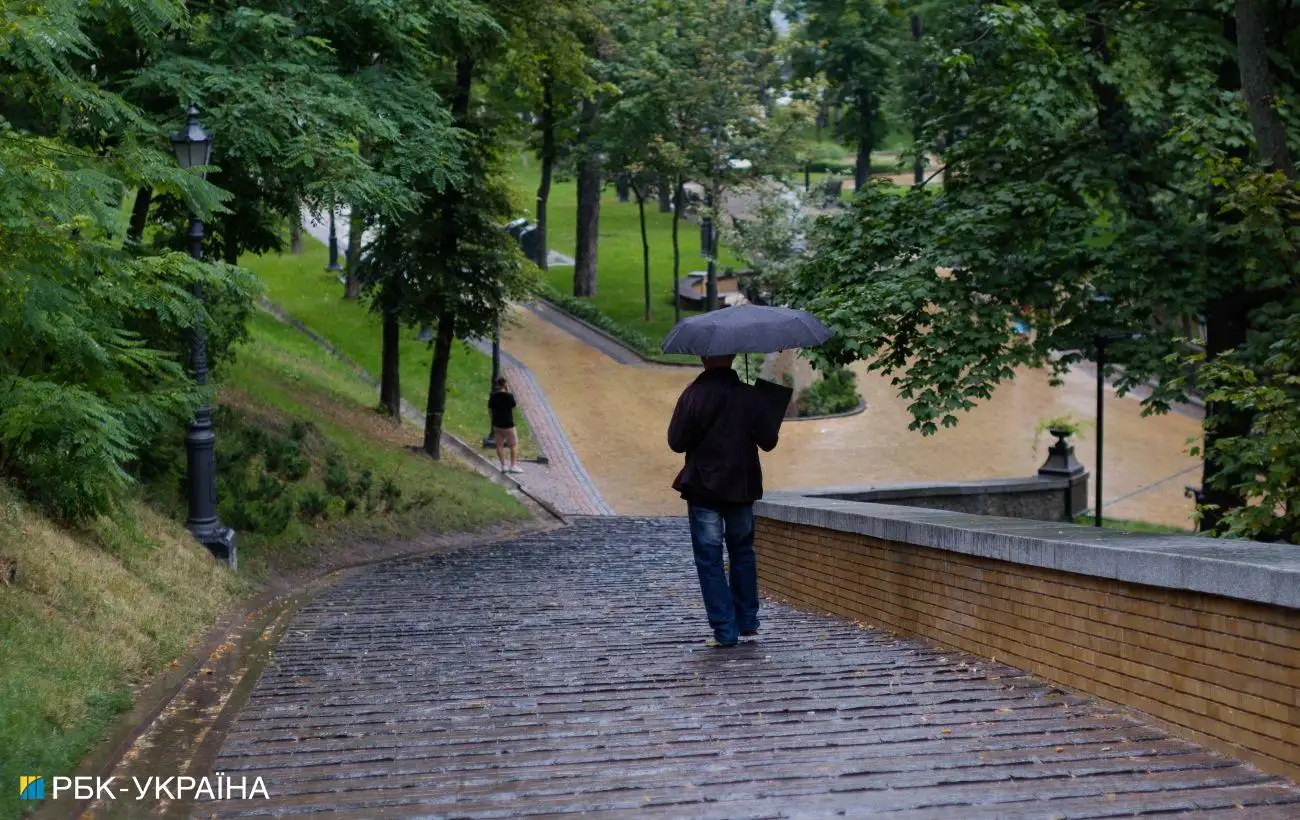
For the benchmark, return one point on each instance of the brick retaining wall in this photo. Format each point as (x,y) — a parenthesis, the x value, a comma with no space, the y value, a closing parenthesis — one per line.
(1216,669)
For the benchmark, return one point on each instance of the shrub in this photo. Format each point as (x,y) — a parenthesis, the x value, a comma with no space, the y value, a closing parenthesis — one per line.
(313,504)
(337,482)
(390,494)
(590,314)
(835,392)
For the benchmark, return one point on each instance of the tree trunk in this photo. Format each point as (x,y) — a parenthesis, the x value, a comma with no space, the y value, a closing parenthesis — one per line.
(677,252)
(645,246)
(295,229)
(711,276)
(866,141)
(665,192)
(1257,86)
(584,270)
(390,379)
(918,164)
(139,215)
(1226,323)
(447,241)
(229,246)
(438,384)
(356,230)
(548,166)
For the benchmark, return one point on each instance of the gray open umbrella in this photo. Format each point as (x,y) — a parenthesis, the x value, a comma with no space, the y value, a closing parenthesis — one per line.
(746,329)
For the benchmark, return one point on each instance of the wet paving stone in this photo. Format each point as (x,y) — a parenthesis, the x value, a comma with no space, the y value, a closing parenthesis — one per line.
(565,673)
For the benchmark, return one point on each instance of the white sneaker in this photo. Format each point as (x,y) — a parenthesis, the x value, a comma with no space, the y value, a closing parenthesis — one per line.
(514,469)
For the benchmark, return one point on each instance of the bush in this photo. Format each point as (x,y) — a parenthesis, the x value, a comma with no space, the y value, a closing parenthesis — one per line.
(590,314)
(835,392)
(390,494)
(337,481)
(313,504)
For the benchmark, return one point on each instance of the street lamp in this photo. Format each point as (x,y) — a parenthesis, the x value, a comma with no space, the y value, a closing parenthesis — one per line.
(490,441)
(193,149)
(1101,341)
(334,247)
(522,232)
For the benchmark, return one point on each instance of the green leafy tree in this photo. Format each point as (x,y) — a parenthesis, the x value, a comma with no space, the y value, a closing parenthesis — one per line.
(724,125)
(451,260)
(92,353)
(548,72)
(854,44)
(1100,180)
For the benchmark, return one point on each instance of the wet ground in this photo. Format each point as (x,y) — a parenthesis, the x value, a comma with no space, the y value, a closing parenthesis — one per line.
(616,416)
(565,673)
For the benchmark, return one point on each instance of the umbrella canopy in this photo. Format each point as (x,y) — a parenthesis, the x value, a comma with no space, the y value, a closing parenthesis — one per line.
(746,329)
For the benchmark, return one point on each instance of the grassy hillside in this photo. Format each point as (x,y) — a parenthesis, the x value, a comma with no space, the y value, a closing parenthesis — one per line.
(93,613)
(90,615)
(301,286)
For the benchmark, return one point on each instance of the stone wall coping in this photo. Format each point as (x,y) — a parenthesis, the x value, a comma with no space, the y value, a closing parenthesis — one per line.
(1244,570)
(931,489)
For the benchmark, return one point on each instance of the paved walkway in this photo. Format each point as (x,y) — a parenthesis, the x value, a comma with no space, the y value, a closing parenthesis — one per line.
(564,673)
(617,415)
(563,482)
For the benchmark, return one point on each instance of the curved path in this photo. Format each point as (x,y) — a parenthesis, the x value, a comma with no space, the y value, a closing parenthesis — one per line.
(616,416)
(563,674)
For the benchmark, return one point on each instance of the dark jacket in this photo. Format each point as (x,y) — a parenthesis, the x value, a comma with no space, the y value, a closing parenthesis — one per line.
(715,425)
(501,407)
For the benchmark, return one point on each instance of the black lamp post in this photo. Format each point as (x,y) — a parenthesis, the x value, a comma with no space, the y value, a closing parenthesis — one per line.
(519,230)
(490,441)
(334,247)
(1101,342)
(193,148)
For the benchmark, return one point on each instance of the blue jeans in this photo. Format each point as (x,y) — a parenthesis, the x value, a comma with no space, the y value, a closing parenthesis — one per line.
(732,608)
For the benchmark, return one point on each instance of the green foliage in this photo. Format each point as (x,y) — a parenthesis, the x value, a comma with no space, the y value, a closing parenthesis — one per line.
(824,158)
(589,313)
(93,335)
(748,370)
(1098,182)
(772,239)
(853,44)
(1267,457)
(835,392)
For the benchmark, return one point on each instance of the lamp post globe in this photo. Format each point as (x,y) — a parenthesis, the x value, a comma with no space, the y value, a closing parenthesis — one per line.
(192,145)
(193,149)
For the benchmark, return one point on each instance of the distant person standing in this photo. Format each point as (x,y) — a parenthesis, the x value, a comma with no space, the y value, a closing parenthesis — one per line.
(716,424)
(501,406)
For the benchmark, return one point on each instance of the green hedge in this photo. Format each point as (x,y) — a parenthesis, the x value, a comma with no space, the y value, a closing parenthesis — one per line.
(590,314)
(835,392)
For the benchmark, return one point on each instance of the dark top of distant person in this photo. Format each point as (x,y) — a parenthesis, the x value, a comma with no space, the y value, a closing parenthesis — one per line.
(501,405)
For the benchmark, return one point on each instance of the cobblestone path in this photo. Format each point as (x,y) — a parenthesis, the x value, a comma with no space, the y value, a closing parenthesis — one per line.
(565,673)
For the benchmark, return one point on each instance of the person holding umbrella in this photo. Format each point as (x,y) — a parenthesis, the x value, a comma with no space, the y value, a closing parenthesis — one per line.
(719,424)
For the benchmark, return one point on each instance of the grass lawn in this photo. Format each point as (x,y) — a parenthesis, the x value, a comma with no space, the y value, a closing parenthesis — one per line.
(96,611)
(1128,525)
(301,286)
(620,282)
